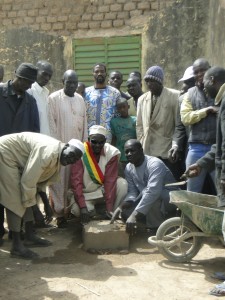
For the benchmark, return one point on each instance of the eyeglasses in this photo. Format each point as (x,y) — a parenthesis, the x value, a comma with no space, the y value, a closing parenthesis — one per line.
(94,142)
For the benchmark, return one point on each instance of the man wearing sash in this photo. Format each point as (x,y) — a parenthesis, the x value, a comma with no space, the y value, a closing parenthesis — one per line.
(94,179)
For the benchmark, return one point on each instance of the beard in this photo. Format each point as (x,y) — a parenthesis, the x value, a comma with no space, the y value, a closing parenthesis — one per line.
(100,79)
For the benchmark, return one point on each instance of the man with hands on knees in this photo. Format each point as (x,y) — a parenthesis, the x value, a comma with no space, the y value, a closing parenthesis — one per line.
(94,179)
(147,194)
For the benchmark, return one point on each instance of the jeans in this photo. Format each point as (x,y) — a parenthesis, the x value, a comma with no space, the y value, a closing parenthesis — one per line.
(195,152)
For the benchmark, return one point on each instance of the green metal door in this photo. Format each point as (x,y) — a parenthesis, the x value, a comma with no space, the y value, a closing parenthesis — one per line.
(118,53)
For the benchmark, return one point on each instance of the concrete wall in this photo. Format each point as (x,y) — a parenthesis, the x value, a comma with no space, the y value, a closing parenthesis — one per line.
(174,33)
(215,47)
(176,37)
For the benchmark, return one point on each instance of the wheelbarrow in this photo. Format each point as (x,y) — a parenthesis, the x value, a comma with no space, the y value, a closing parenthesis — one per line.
(179,239)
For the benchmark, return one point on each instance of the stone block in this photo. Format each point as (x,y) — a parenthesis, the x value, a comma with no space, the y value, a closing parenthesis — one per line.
(57,26)
(16,7)
(94,24)
(91,9)
(135,13)
(62,18)
(100,235)
(32,12)
(22,13)
(155,6)
(43,12)
(29,20)
(87,17)
(46,26)
(18,21)
(129,6)
(83,25)
(7,22)
(28,5)
(12,14)
(98,17)
(104,8)
(6,7)
(35,26)
(110,16)
(106,24)
(74,18)
(109,1)
(123,15)
(41,19)
(55,11)
(143,5)
(116,7)
(51,19)
(121,1)
(71,26)
(3,14)
(118,23)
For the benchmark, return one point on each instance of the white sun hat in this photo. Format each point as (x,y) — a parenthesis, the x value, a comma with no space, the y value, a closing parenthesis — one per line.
(188,74)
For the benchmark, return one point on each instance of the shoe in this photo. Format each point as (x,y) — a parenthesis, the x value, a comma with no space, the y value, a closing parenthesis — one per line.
(37,242)
(151,231)
(26,254)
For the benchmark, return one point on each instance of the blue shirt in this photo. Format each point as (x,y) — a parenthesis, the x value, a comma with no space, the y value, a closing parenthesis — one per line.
(101,106)
(146,184)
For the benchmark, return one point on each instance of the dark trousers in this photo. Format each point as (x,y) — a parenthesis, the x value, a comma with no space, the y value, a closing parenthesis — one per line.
(2,229)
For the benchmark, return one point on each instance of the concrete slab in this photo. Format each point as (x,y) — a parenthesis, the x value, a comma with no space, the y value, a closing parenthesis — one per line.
(100,235)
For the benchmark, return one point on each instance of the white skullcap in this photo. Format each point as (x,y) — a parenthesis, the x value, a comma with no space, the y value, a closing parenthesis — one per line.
(78,144)
(188,74)
(97,129)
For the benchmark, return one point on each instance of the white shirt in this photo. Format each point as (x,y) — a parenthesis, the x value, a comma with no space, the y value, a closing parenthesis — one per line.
(41,96)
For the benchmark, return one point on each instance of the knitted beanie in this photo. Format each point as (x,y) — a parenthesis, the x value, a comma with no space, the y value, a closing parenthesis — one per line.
(27,71)
(156,73)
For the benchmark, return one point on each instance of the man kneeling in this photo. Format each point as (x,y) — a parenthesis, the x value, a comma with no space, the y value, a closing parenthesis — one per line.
(147,194)
(94,179)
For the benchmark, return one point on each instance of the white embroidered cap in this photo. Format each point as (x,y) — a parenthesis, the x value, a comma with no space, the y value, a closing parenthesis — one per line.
(78,144)
(97,129)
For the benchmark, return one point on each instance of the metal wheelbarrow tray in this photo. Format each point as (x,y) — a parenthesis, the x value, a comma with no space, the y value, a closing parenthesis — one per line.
(179,239)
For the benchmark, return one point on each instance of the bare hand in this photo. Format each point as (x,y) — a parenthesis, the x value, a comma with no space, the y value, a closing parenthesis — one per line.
(212,110)
(131,224)
(84,215)
(48,213)
(193,171)
(173,154)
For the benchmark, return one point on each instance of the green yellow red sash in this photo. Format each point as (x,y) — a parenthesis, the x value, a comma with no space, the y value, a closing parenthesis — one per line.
(91,164)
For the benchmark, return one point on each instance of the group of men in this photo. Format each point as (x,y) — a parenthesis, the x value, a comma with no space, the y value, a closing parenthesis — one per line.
(81,153)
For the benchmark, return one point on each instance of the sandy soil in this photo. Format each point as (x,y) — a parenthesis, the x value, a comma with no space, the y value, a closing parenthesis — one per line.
(65,271)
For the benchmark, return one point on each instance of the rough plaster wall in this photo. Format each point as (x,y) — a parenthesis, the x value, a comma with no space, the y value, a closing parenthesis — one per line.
(176,37)
(19,45)
(216,33)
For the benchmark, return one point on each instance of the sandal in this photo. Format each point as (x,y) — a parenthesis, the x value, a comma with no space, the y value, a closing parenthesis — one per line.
(218,290)
(26,254)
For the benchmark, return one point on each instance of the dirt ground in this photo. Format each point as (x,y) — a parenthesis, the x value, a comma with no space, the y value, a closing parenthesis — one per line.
(65,271)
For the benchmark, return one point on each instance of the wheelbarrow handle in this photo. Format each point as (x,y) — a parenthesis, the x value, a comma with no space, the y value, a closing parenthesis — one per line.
(176,183)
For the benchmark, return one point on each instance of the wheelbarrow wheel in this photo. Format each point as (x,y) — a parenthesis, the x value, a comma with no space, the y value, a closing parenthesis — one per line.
(184,250)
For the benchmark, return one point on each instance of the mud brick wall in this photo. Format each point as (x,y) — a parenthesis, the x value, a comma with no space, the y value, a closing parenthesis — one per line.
(64,17)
